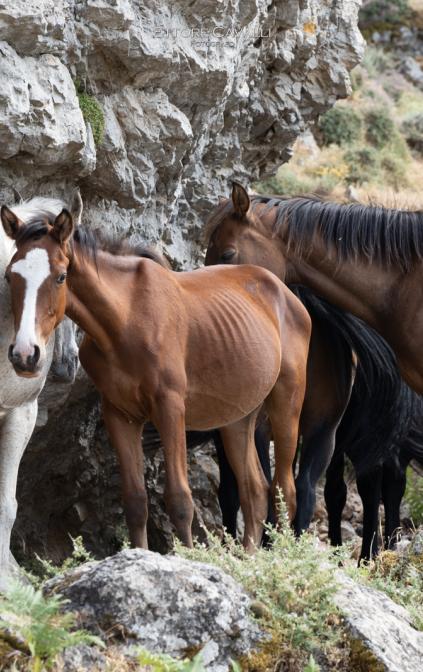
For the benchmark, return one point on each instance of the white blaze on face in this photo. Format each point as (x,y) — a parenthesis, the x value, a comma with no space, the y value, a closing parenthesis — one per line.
(34,268)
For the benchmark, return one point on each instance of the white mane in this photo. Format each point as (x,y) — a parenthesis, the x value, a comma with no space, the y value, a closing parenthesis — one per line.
(38,208)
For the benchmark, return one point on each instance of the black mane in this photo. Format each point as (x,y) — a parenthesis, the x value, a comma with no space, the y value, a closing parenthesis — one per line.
(371,232)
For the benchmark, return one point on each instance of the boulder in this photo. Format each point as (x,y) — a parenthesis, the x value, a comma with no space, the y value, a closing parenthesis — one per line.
(381,635)
(164,604)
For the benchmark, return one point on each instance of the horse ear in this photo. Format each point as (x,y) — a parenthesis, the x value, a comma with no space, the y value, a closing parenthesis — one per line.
(63,226)
(240,199)
(76,207)
(11,223)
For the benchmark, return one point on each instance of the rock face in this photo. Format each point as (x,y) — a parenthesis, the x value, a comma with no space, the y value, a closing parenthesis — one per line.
(165,604)
(379,627)
(192,94)
(181,98)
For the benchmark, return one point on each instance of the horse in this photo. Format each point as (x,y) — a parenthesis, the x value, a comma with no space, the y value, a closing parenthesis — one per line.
(385,479)
(336,336)
(197,350)
(18,400)
(364,259)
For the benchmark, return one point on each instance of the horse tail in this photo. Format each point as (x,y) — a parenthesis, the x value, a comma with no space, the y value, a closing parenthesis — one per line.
(412,446)
(379,415)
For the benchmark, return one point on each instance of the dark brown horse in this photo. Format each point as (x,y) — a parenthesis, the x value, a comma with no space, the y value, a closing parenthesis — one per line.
(367,260)
(195,350)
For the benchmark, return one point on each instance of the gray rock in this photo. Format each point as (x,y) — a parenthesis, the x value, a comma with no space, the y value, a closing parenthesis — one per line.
(380,627)
(165,604)
(193,95)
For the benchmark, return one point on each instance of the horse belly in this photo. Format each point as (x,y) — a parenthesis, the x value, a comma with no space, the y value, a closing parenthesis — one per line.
(234,381)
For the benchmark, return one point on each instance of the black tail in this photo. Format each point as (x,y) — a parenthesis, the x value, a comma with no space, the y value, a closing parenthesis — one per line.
(379,414)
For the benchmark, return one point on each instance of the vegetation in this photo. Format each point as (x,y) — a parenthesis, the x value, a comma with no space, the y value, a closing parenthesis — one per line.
(92,113)
(159,662)
(35,627)
(414,496)
(40,569)
(292,599)
(340,126)
(400,577)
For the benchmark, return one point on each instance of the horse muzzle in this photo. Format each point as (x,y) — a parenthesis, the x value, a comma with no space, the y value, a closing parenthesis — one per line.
(26,365)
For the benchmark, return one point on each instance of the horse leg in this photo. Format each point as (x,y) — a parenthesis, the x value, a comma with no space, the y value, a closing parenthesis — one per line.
(169,418)
(228,489)
(394,481)
(335,496)
(238,440)
(284,407)
(126,439)
(15,432)
(369,486)
(316,453)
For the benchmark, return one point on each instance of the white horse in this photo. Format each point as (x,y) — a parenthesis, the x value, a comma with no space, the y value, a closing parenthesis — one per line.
(18,396)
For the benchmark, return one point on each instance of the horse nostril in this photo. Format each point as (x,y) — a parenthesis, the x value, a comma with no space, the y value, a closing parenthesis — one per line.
(10,352)
(36,355)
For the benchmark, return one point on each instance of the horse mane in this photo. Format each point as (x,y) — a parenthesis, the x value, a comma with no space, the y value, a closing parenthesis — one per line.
(38,214)
(356,231)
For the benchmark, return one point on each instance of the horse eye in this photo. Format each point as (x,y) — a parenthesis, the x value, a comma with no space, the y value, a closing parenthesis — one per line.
(61,279)
(227,255)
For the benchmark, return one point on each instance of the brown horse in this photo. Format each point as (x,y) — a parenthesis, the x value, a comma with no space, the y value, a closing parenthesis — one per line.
(196,350)
(367,260)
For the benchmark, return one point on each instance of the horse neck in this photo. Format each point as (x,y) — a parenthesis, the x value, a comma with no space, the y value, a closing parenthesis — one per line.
(96,296)
(356,286)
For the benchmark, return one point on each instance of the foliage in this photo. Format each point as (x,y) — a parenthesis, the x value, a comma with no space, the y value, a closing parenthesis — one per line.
(44,569)
(412,128)
(380,15)
(414,496)
(160,662)
(362,164)
(291,586)
(379,127)
(376,61)
(340,125)
(37,623)
(92,113)
(400,577)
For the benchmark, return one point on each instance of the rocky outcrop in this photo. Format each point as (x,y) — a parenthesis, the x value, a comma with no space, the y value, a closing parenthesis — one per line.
(165,604)
(382,637)
(190,95)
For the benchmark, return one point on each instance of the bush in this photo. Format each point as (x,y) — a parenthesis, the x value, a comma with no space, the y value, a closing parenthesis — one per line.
(383,15)
(291,586)
(380,128)
(414,496)
(340,126)
(363,164)
(412,128)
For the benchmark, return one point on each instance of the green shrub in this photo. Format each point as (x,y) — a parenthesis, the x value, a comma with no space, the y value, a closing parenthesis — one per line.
(414,496)
(92,113)
(40,569)
(394,170)
(340,126)
(36,622)
(380,128)
(363,164)
(380,15)
(291,585)
(376,61)
(412,128)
